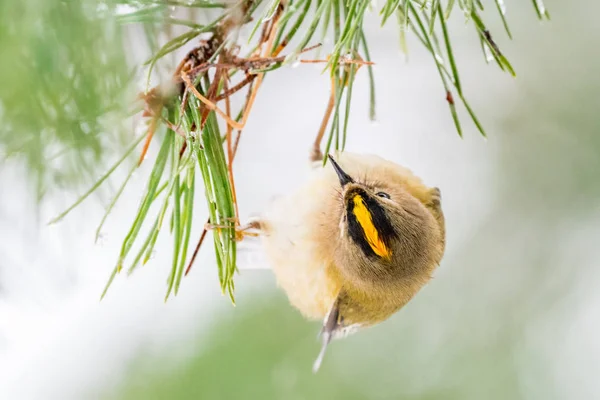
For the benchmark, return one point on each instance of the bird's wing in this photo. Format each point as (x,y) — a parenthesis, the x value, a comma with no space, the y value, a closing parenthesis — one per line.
(435,206)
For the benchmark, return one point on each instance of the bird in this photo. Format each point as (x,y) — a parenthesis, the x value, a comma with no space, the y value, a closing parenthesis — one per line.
(354,243)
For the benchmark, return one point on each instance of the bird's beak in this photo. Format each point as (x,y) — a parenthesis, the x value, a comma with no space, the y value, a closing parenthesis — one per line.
(343,177)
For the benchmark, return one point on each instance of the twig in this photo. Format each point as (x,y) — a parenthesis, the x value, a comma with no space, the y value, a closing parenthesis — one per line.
(249,78)
(202,236)
(173,127)
(259,79)
(210,105)
(246,64)
(254,85)
(316,151)
(149,135)
(230,156)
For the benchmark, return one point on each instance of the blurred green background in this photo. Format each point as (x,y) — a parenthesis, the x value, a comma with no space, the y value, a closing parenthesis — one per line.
(499,308)
(475,332)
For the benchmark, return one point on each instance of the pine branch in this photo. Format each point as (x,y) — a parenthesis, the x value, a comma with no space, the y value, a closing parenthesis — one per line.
(190,113)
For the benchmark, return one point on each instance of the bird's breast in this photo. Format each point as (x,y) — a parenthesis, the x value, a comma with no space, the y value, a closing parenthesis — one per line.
(299,238)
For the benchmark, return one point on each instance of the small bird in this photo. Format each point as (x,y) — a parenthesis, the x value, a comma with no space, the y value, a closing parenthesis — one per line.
(355,243)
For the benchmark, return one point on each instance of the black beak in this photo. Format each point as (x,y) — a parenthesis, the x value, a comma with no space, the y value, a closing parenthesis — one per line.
(343,177)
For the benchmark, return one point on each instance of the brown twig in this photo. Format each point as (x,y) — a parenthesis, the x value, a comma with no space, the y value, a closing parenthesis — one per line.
(209,104)
(173,127)
(243,64)
(259,78)
(316,153)
(249,78)
(149,135)
(254,85)
(202,236)
(204,229)
(230,155)
(211,93)
(200,54)
(246,64)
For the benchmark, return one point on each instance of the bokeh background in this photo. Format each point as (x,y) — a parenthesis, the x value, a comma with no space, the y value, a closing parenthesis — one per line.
(513,311)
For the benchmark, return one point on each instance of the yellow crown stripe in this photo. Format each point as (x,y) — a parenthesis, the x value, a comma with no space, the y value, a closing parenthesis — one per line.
(363,216)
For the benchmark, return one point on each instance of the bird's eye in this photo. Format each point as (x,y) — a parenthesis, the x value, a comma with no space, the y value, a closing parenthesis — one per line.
(383,194)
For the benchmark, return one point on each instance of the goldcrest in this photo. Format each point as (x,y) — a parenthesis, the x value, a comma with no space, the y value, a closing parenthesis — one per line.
(355,243)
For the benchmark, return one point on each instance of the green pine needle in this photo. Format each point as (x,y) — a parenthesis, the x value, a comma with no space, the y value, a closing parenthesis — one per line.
(60,116)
